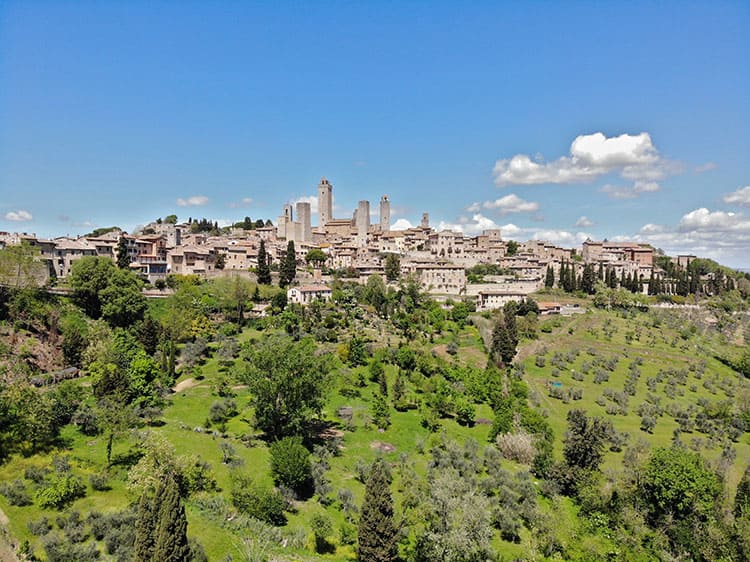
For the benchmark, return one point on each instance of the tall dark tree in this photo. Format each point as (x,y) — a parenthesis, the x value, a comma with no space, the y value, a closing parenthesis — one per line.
(584,441)
(123,260)
(742,498)
(171,532)
(264,268)
(549,280)
(288,269)
(378,534)
(503,349)
(588,279)
(147,519)
(509,313)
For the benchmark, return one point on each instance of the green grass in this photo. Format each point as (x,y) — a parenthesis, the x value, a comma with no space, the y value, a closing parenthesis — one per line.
(660,347)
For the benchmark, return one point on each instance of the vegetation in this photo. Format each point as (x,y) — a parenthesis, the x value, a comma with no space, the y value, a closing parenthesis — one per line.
(380,425)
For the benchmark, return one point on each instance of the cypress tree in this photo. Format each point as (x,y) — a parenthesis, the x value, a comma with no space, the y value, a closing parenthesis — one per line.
(549,280)
(563,275)
(378,534)
(145,529)
(171,532)
(288,266)
(264,269)
(123,261)
(509,312)
(503,349)
(600,274)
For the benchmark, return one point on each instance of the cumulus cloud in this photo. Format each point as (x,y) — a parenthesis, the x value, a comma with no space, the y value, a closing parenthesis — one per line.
(244,202)
(18,216)
(720,235)
(739,197)
(633,157)
(192,201)
(620,192)
(469,225)
(561,236)
(505,205)
(312,199)
(402,224)
(584,222)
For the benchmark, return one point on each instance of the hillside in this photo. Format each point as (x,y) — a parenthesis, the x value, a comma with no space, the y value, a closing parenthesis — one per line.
(411,386)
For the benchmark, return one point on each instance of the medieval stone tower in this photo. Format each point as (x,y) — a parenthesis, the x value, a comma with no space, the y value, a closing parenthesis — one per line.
(325,202)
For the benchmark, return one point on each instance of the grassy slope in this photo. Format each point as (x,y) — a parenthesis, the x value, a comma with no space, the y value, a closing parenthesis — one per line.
(189,409)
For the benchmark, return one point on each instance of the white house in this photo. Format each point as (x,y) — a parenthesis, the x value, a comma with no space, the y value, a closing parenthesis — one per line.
(308,293)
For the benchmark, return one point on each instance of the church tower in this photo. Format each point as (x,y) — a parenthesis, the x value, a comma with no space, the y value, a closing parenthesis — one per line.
(385,214)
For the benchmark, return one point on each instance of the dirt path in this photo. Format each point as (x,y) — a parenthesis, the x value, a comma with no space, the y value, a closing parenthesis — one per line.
(7,552)
(184,385)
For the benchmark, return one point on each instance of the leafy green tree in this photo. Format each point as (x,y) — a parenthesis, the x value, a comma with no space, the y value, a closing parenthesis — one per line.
(288,381)
(677,483)
(392,267)
(121,253)
(381,415)
(511,248)
(171,543)
(288,269)
(264,267)
(378,533)
(316,257)
(584,442)
(122,302)
(88,278)
(357,352)
(290,463)
(170,219)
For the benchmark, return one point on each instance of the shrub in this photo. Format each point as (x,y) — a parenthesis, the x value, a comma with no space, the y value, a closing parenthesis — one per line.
(290,463)
(99,482)
(222,410)
(60,492)
(16,492)
(256,501)
(39,527)
(517,446)
(37,474)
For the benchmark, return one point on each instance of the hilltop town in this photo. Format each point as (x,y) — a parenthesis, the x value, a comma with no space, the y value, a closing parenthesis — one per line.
(356,248)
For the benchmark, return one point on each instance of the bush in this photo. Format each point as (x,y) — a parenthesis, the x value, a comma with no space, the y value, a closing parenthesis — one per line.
(58,549)
(518,447)
(37,474)
(290,463)
(99,482)
(40,527)
(16,493)
(261,503)
(222,410)
(60,492)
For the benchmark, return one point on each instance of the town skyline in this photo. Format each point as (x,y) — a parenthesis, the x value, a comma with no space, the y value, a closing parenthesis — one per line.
(629,125)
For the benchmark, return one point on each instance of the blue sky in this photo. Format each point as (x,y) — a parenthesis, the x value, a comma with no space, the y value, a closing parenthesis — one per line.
(111,112)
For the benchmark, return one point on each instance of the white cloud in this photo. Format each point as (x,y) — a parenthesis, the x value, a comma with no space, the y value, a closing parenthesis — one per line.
(739,197)
(469,226)
(633,157)
(719,235)
(560,236)
(707,167)
(18,216)
(192,201)
(713,221)
(244,202)
(509,204)
(510,230)
(401,224)
(584,222)
(312,199)
(620,192)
